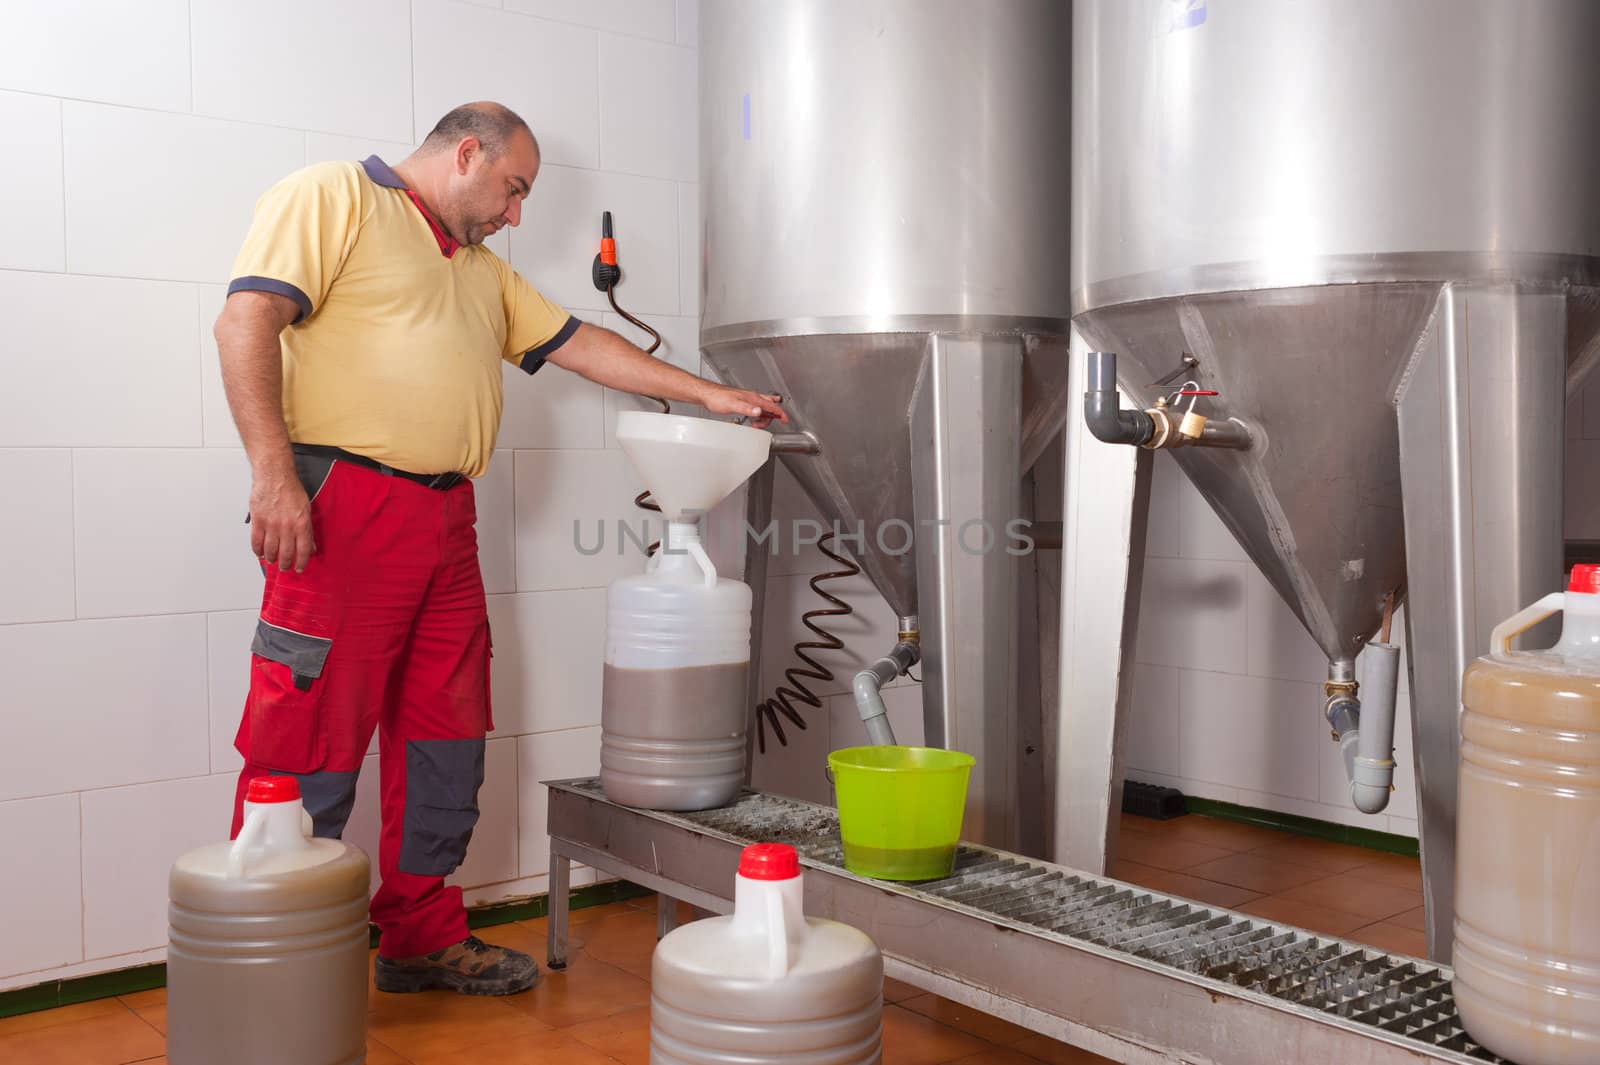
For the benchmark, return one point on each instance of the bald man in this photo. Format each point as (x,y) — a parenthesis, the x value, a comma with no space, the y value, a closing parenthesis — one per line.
(361,347)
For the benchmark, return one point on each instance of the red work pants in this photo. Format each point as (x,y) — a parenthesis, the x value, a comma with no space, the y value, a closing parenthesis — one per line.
(387,628)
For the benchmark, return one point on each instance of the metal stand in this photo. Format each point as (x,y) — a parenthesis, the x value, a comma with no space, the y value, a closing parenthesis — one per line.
(1481,447)
(965,471)
(1107,491)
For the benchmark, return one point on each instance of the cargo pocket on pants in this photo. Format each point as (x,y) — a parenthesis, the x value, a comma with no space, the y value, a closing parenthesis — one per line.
(442,782)
(285,724)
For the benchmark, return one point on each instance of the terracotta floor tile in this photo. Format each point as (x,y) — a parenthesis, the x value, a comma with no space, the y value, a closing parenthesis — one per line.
(1417,919)
(1228,835)
(1307,915)
(1056,1053)
(626,941)
(895,991)
(625,1036)
(1165,853)
(378,1054)
(106,1039)
(1183,885)
(154,1016)
(964,1018)
(74,1014)
(586,990)
(1133,872)
(1398,870)
(1398,939)
(141,999)
(547,1048)
(912,1039)
(1322,855)
(997,1056)
(1356,892)
(437,1022)
(1255,872)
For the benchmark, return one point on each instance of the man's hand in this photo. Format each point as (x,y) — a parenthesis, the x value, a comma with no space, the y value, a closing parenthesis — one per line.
(762,406)
(280,521)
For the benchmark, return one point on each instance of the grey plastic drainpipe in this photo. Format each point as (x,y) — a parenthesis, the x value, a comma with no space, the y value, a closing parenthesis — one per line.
(869,700)
(1365,727)
(1102,407)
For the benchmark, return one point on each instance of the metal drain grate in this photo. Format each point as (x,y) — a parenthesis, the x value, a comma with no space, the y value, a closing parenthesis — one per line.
(1363,985)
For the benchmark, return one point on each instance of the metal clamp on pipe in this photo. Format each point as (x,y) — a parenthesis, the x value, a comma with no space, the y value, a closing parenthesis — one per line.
(1160,428)
(869,699)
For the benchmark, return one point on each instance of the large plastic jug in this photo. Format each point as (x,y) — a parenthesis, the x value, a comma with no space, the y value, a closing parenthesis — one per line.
(1527,930)
(267,945)
(675,700)
(767,985)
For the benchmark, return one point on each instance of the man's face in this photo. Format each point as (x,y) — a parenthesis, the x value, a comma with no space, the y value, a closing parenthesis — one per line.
(486,193)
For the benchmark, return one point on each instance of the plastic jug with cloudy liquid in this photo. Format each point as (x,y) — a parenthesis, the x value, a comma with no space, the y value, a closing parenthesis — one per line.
(1527,929)
(674,703)
(267,947)
(767,985)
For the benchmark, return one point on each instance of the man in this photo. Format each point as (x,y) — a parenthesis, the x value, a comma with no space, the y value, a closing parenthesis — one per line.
(361,344)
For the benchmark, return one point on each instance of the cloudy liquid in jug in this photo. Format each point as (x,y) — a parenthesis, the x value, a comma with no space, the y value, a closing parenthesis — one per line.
(1527,933)
(674,739)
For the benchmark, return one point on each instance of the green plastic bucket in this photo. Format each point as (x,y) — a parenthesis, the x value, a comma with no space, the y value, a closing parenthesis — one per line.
(900,809)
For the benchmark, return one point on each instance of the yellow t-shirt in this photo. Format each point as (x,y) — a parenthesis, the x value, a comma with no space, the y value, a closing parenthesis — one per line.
(396,352)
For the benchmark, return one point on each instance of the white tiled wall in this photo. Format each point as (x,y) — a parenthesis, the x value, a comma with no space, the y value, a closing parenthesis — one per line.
(138,138)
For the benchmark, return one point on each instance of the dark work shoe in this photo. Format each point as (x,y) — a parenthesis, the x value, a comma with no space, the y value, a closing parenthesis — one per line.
(471,967)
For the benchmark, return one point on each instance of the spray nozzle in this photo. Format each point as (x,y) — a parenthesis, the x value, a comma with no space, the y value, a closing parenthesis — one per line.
(605,271)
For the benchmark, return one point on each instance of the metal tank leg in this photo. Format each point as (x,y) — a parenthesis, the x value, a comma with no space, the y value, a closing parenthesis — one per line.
(757,516)
(560,891)
(1481,450)
(966,435)
(1107,496)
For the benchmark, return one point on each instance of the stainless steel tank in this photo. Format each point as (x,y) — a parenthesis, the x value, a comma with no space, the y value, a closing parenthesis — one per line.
(1373,226)
(884,213)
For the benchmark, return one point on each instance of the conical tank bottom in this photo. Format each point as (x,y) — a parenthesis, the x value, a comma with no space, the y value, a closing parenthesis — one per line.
(1313,371)
(853,392)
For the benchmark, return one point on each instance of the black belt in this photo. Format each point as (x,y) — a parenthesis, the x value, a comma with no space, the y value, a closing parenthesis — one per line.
(439,481)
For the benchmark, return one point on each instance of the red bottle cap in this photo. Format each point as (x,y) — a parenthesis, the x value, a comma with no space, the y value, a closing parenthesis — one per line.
(272,789)
(1585,579)
(769,861)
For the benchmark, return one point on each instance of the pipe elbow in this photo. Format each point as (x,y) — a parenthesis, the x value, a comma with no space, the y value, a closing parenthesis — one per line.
(1110,424)
(1368,798)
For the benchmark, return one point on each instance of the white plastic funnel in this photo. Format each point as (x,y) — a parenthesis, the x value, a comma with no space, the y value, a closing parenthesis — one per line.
(690,464)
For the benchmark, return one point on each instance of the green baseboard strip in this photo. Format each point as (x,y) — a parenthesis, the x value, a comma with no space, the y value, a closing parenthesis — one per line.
(1369,838)
(56,993)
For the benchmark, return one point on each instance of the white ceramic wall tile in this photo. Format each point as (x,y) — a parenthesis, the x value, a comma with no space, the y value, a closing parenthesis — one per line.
(351,64)
(799,769)
(45,928)
(1182,524)
(689,22)
(868,633)
(548,756)
(547,667)
(792,547)
(1583,489)
(227,166)
(495,496)
(228,637)
(36,536)
(492,855)
(1278,645)
(162,531)
(904,704)
(640,18)
(103,703)
(1193,614)
(649,108)
(1155,721)
(1403,826)
(32,236)
(560,233)
(680,346)
(131,837)
(574,515)
(545,71)
(553,408)
(1250,733)
(78,349)
(335,147)
(133,54)
(725,536)
(1339,814)
(689,249)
